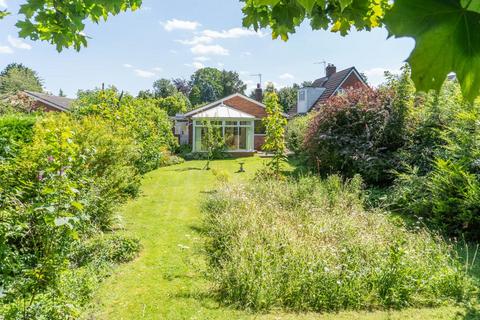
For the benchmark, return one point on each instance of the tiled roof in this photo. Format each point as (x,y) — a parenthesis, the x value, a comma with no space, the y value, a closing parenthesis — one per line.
(332,83)
(61,103)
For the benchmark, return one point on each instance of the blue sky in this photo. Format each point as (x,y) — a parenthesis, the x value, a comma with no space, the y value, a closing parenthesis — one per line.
(170,39)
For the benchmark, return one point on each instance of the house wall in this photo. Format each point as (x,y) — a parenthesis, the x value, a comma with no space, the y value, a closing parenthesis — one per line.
(352,82)
(258,141)
(246,106)
(38,105)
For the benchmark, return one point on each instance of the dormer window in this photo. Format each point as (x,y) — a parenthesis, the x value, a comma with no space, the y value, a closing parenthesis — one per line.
(301,95)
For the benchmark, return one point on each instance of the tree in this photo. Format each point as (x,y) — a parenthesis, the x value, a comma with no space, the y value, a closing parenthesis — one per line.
(210,84)
(212,142)
(163,88)
(432,23)
(62,23)
(176,103)
(182,86)
(60,93)
(288,97)
(232,83)
(16,77)
(275,124)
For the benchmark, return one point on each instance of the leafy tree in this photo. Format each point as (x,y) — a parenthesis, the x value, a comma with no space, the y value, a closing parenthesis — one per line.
(288,97)
(210,84)
(62,23)
(163,88)
(176,103)
(182,86)
(232,83)
(432,23)
(16,77)
(275,124)
(212,142)
(145,94)
(306,84)
(60,93)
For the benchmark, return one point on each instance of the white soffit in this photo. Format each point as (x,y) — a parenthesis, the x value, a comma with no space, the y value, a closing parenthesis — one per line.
(223,111)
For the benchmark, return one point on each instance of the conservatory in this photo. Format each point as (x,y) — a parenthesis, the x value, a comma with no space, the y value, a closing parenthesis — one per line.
(235,126)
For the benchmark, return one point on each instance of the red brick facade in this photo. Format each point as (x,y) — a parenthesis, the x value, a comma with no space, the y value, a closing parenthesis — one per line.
(352,82)
(258,141)
(247,106)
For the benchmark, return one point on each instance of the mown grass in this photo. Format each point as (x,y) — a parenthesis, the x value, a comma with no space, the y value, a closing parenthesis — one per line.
(168,280)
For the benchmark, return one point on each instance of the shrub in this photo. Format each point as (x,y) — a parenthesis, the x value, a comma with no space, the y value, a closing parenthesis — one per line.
(296,132)
(15,130)
(146,123)
(448,196)
(310,246)
(360,132)
(62,187)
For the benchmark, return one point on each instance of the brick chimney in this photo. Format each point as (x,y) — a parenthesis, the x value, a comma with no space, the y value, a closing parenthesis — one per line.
(330,70)
(259,93)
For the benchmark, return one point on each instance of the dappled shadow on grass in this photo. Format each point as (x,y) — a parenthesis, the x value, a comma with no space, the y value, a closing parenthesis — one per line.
(187,169)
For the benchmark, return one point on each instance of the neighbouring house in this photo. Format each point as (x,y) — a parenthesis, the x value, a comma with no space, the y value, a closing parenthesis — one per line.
(333,83)
(48,102)
(238,118)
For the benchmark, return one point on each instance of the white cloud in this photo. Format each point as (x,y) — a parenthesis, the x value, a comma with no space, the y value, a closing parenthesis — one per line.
(6,50)
(197,65)
(201,49)
(3,3)
(158,69)
(203,59)
(246,53)
(231,33)
(195,40)
(18,43)
(286,76)
(176,24)
(144,73)
(126,65)
(173,51)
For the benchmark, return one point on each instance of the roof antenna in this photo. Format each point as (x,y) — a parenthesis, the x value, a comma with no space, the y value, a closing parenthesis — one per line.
(259,75)
(324,65)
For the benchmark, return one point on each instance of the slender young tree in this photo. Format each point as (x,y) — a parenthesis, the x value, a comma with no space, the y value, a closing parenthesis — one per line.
(212,141)
(275,124)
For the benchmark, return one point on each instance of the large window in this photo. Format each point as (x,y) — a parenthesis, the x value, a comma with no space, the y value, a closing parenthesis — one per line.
(238,135)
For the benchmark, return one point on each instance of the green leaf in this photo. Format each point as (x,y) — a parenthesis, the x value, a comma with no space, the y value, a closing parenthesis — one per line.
(447,39)
(267,2)
(345,3)
(307,4)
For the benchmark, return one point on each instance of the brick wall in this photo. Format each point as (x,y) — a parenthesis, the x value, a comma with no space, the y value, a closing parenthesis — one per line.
(258,141)
(352,82)
(247,106)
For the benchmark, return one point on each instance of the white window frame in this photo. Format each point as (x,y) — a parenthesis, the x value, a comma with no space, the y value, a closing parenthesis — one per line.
(198,122)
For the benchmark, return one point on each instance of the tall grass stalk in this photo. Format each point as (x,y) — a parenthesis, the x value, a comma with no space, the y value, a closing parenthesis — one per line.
(311,246)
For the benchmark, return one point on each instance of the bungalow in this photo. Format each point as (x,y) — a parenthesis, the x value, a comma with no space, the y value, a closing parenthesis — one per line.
(48,102)
(239,119)
(334,82)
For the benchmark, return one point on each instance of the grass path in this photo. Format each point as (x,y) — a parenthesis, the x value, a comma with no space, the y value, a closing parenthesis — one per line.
(166,281)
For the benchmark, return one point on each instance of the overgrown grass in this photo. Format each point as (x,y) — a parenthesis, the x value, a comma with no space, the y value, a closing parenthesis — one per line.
(311,246)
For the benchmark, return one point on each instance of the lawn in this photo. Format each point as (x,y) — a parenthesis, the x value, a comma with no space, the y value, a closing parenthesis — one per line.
(166,281)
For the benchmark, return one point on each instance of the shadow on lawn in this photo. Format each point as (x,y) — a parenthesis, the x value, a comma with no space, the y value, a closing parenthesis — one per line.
(187,169)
